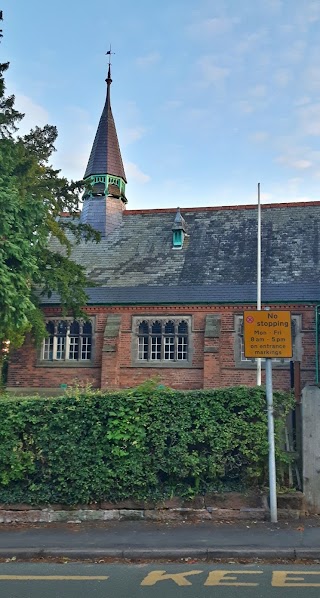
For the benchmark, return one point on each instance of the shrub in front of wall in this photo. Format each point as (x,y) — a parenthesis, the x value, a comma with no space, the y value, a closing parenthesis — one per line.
(144,443)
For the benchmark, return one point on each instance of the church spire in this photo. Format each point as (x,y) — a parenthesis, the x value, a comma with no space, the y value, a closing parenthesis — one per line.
(105,158)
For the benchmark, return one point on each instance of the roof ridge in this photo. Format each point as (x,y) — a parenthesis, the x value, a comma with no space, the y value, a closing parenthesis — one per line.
(292,204)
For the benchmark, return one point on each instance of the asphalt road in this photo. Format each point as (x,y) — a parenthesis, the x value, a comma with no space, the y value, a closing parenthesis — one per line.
(156,580)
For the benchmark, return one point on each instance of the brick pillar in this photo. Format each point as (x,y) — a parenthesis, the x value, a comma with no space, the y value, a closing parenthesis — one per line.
(211,361)
(110,357)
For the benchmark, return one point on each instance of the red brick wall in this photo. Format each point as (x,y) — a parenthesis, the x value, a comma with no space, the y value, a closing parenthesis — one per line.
(212,367)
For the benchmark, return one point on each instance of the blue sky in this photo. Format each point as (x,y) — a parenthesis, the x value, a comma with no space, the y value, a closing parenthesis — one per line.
(209,97)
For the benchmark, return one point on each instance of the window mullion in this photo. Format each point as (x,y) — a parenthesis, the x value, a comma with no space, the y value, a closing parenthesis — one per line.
(162,341)
(67,341)
(54,352)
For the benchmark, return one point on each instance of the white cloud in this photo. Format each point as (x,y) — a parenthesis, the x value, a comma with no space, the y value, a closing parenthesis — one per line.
(131,134)
(248,43)
(302,101)
(35,114)
(300,158)
(312,77)
(172,104)
(133,172)
(310,120)
(293,162)
(294,54)
(211,73)
(211,26)
(148,60)
(246,107)
(282,77)
(259,136)
(259,91)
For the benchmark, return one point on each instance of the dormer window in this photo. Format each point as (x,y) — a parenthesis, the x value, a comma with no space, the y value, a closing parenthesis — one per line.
(178,231)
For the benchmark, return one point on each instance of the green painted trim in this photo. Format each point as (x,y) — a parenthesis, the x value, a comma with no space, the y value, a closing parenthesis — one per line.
(106,180)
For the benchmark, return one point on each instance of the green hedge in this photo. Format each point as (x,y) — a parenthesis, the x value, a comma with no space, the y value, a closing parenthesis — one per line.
(145,443)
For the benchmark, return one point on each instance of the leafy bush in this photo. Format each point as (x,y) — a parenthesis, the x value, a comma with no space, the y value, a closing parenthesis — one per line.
(146,443)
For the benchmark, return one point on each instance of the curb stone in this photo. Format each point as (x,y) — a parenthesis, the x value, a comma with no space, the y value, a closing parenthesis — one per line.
(176,514)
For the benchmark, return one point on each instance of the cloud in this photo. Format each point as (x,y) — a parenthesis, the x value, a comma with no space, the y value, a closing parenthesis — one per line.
(310,120)
(172,104)
(259,136)
(249,42)
(295,163)
(300,158)
(259,91)
(312,77)
(206,28)
(133,172)
(132,134)
(302,101)
(282,77)
(246,107)
(274,5)
(35,114)
(148,59)
(295,52)
(211,73)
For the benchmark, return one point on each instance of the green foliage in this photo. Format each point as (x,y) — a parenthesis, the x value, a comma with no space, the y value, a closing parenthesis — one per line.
(32,196)
(145,443)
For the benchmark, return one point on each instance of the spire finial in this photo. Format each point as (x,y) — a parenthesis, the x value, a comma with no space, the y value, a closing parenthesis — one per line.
(108,79)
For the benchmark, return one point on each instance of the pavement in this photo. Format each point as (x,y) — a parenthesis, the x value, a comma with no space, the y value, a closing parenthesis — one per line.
(154,540)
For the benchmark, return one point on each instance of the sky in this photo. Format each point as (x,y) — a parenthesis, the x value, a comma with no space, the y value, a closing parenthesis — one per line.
(209,97)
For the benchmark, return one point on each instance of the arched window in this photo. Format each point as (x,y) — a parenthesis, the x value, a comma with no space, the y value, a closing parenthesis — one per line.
(163,340)
(67,340)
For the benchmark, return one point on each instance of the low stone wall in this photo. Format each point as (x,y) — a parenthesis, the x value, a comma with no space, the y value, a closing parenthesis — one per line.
(213,507)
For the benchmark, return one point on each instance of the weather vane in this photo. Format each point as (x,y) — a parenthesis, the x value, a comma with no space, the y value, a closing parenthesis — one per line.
(109,53)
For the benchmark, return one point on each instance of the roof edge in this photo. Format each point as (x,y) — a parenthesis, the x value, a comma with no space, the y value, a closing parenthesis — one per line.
(293,204)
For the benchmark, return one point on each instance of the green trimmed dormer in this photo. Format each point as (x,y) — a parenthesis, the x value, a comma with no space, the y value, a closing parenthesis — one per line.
(178,231)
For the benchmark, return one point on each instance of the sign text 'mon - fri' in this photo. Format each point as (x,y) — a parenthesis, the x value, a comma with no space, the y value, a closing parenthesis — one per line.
(267,334)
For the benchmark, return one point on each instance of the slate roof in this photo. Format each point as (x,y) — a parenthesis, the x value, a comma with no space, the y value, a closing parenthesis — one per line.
(137,263)
(105,157)
(198,294)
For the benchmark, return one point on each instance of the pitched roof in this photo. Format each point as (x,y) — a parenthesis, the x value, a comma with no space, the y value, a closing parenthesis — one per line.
(105,157)
(136,262)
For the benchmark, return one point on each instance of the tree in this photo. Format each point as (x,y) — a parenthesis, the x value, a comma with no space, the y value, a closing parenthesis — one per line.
(32,197)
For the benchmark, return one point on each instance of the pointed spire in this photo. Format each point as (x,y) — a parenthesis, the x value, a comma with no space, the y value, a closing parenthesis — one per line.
(105,157)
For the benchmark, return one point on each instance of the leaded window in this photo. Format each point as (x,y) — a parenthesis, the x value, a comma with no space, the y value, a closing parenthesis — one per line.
(67,340)
(162,339)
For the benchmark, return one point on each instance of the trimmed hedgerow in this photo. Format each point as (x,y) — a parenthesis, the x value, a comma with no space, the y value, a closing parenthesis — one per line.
(146,443)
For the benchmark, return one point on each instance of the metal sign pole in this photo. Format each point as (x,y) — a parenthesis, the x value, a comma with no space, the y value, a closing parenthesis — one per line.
(272,458)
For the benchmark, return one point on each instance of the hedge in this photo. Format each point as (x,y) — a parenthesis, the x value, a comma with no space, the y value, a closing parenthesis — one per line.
(145,443)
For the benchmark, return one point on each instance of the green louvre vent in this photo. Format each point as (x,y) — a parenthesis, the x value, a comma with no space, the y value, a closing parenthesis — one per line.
(177,238)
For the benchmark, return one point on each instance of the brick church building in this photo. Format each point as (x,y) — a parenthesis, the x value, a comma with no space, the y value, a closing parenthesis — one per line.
(171,289)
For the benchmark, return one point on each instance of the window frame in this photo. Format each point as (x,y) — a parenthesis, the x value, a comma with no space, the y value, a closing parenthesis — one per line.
(68,344)
(139,348)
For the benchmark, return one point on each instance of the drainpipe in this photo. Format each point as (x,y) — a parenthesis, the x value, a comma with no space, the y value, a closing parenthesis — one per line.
(317,343)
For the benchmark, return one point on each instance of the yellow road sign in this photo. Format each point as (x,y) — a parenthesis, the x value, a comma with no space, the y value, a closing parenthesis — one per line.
(267,334)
